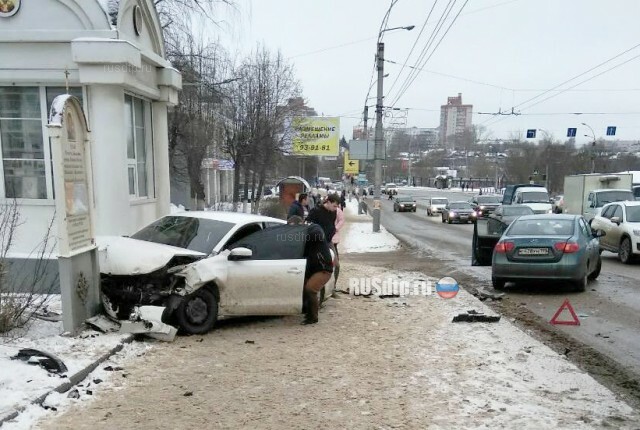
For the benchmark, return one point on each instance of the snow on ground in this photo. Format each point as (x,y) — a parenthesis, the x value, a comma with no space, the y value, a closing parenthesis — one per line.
(359,236)
(492,374)
(21,383)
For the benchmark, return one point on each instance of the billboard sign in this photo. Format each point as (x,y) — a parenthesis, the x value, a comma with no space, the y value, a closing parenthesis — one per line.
(315,135)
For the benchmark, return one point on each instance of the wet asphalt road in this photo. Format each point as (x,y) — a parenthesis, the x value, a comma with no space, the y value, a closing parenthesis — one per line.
(609,310)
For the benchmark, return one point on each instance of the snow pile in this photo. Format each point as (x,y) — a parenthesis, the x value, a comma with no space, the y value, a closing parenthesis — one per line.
(359,236)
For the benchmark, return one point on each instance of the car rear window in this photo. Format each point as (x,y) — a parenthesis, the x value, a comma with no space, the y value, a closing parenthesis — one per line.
(515,210)
(542,227)
(196,234)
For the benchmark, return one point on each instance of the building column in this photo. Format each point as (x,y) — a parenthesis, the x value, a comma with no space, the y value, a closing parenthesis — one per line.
(161,158)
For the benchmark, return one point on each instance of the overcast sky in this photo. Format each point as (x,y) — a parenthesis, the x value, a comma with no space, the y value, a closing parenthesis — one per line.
(505,51)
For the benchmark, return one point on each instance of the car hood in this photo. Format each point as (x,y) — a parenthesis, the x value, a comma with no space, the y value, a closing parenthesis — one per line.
(462,211)
(126,256)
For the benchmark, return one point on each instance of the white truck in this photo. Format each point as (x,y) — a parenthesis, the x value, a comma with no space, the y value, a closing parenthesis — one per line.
(586,194)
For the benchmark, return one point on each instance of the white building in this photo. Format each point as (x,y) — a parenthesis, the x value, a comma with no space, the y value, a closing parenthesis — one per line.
(113,54)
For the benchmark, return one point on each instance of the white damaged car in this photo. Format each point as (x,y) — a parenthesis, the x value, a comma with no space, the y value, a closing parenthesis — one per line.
(204,266)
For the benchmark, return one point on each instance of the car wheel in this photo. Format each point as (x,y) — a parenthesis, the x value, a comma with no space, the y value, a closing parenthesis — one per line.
(198,312)
(624,253)
(581,284)
(597,270)
(498,283)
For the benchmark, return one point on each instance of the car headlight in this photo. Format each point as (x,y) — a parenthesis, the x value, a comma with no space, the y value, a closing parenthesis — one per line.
(452,214)
(636,232)
(549,211)
(482,207)
(473,213)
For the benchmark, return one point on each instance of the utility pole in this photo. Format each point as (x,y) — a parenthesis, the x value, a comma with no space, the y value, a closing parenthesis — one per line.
(378,141)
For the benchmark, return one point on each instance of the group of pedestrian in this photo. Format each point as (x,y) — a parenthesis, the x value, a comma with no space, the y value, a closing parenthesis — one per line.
(323,236)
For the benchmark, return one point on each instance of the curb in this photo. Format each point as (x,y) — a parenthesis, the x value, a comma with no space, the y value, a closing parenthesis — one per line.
(73,379)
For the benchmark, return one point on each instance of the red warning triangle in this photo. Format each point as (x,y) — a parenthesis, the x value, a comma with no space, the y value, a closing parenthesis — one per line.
(565,305)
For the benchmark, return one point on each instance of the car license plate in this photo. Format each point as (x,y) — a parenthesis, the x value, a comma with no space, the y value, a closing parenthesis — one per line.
(533,251)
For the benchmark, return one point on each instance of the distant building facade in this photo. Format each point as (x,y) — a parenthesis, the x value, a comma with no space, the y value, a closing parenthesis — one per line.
(455,119)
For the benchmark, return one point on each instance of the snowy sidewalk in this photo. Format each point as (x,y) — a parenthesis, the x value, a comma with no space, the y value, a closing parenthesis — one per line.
(396,362)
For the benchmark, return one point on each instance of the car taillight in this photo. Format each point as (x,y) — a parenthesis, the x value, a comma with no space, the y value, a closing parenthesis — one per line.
(566,247)
(502,247)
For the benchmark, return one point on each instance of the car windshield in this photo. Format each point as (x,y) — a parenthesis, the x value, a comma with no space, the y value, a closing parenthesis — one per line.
(196,234)
(439,201)
(542,227)
(460,206)
(535,197)
(517,210)
(489,199)
(633,213)
(613,196)
(405,199)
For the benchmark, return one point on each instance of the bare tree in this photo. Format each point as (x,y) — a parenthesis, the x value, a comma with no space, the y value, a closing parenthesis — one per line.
(24,291)
(259,109)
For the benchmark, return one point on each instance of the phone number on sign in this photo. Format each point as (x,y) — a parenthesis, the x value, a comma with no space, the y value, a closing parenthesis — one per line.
(314,147)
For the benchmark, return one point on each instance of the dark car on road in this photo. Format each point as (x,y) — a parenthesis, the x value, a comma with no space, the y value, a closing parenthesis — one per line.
(486,205)
(547,248)
(404,204)
(505,215)
(459,211)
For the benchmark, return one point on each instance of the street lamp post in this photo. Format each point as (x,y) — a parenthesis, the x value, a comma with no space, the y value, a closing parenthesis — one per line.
(593,144)
(379,141)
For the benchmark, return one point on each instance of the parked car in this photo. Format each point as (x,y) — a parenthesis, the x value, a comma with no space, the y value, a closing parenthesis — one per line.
(547,247)
(391,189)
(621,223)
(404,203)
(436,205)
(485,204)
(505,215)
(459,211)
(203,266)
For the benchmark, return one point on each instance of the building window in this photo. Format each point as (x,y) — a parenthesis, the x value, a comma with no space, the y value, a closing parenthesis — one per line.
(26,161)
(139,145)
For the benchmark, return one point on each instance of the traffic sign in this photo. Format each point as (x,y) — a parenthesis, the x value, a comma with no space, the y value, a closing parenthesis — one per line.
(611,131)
(571,132)
(350,166)
(565,306)
(531,133)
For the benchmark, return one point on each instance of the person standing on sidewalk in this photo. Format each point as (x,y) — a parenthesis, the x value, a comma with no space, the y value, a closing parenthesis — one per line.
(318,271)
(325,216)
(299,207)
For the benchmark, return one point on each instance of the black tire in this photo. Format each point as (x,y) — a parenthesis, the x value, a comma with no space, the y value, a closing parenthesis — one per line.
(625,252)
(198,312)
(581,284)
(594,275)
(498,283)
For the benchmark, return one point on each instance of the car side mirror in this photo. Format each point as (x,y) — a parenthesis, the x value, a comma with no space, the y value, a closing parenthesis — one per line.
(240,253)
(598,233)
(616,219)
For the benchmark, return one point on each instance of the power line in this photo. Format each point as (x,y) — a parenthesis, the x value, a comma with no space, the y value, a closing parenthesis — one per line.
(424,25)
(432,52)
